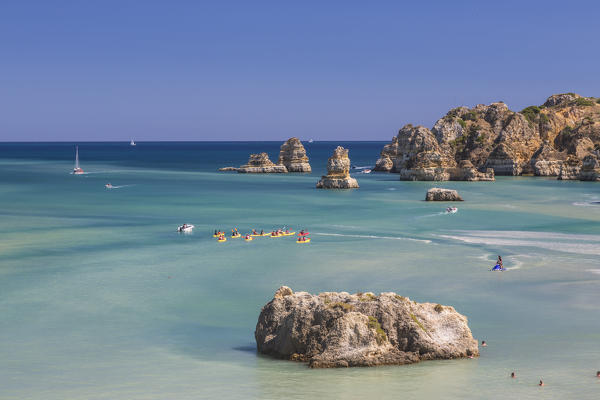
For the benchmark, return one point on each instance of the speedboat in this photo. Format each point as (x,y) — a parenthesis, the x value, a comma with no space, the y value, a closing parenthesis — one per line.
(451,210)
(77,170)
(108,186)
(366,171)
(185,228)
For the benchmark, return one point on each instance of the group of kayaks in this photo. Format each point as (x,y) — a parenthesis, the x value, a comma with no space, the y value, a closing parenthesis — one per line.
(302,235)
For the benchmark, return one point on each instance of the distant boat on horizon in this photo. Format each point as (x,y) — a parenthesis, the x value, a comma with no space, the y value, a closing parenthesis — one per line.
(132,143)
(77,170)
(310,140)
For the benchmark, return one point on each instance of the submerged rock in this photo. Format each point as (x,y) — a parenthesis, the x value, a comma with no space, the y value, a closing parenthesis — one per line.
(439,194)
(293,156)
(260,164)
(338,172)
(346,330)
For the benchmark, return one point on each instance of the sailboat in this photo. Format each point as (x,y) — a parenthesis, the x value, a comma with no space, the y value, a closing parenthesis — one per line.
(132,143)
(77,170)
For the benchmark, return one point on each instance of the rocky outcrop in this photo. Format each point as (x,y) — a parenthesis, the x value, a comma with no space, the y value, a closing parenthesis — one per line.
(537,140)
(438,194)
(346,330)
(416,154)
(260,164)
(338,172)
(590,169)
(293,156)
(569,170)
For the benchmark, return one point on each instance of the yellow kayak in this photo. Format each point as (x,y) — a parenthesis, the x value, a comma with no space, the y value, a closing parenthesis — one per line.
(236,236)
(288,234)
(303,241)
(219,234)
(222,239)
(249,239)
(258,234)
(275,236)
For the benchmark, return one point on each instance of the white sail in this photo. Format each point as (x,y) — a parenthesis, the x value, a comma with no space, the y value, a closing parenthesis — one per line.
(76,157)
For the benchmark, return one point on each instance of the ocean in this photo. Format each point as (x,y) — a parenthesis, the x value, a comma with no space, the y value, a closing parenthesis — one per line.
(101,298)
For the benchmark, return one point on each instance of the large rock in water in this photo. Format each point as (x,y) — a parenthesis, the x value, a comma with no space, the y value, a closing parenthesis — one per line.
(338,172)
(260,164)
(346,330)
(438,194)
(293,156)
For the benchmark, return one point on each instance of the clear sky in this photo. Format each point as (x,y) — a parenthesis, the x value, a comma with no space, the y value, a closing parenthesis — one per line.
(256,70)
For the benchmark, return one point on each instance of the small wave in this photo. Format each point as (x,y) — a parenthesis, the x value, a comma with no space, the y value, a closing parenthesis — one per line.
(373,237)
(531,235)
(594,271)
(120,186)
(390,189)
(555,245)
(586,203)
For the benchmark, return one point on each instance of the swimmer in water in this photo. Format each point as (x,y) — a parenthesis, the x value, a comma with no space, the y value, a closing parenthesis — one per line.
(513,375)
(483,343)
(597,374)
(541,383)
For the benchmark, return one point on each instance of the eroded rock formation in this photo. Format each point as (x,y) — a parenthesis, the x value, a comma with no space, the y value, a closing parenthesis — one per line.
(345,330)
(260,164)
(293,156)
(497,141)
(439,194)
(338,172)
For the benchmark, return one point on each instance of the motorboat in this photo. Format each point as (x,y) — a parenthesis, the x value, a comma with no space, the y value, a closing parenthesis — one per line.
(185,228)
(366,171)
(451,210)
(108,186)
(77,170)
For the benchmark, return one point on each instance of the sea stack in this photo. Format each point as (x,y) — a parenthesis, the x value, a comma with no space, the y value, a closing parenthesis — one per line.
(260,164)
(345,330)
(293,156)
(338,172)
(438,194)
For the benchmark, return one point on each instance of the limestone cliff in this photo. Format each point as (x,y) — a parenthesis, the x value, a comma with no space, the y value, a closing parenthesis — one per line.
(497,141)
(293,156)
(345,330)
(338,172)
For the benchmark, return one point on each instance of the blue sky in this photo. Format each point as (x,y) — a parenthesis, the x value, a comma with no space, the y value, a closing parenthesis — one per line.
(256,70)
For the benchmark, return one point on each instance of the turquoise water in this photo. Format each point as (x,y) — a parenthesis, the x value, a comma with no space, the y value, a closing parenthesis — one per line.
(100,297)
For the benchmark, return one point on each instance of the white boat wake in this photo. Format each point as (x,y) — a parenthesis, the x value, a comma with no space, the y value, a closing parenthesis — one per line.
(373,237)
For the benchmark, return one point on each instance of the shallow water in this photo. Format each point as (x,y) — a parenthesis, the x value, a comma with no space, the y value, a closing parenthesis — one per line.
(101,298)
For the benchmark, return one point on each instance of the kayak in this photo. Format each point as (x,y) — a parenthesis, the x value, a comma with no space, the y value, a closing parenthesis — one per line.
(304,234)
(497,267)
(288,234)
(258,234)
(303,241)
(218,234)
(276,235)
(249,239)
(222,239)
(236,236)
